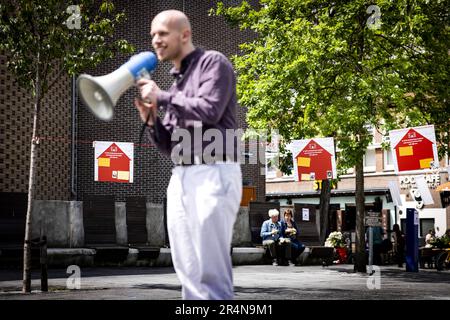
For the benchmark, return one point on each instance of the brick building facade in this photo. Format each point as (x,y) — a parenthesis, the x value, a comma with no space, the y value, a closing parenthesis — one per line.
(16,124)
(57,179)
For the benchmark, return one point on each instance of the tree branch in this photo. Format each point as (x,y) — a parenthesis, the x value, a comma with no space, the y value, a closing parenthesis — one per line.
(398,45)
(60,72)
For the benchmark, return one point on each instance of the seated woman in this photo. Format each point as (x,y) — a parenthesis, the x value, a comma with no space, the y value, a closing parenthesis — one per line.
(430,238)
(290,231)
(271,233)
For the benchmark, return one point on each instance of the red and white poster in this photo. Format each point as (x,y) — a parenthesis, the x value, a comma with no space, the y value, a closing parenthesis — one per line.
(313,159)
(413,148)
(113,161)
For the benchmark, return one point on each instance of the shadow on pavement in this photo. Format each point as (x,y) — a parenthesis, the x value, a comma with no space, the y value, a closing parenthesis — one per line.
(11,275)
(174,287)
(423,276)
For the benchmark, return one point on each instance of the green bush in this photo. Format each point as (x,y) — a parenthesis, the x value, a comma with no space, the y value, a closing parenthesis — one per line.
(441,242)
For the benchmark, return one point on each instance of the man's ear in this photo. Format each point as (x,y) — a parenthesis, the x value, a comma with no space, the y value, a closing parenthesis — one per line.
(185,35)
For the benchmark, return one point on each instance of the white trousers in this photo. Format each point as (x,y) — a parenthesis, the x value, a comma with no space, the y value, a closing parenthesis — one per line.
(202,205)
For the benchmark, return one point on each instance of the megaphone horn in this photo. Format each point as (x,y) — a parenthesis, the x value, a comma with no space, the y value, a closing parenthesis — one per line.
(100,94)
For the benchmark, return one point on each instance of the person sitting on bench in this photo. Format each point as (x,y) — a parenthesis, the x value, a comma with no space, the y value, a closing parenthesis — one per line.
(271,234)
(290,231)
(430,238)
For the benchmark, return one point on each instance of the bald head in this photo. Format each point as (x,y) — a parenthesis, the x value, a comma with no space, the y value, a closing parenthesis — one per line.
(174,19)
(171,36)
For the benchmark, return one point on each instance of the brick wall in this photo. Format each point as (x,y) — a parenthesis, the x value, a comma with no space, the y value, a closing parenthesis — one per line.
(16,124)
(151,170)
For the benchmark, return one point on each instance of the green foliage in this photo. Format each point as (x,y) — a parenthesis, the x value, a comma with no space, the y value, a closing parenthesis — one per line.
(316,68)
(441,242)
(35,36)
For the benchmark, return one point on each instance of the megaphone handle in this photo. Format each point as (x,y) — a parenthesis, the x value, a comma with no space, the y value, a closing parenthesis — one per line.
(145,124)
(146,75)
(143,127)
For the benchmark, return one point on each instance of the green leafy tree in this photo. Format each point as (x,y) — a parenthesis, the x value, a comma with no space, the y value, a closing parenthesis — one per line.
(44,40)
(336,68)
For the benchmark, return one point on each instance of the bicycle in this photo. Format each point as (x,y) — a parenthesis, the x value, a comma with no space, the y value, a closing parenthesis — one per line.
(443,260)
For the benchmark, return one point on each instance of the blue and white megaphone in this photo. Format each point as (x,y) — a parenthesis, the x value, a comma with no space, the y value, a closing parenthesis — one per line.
(100,94)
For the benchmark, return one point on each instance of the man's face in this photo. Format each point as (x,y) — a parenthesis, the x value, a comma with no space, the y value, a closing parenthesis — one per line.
(274,219)
(166,40)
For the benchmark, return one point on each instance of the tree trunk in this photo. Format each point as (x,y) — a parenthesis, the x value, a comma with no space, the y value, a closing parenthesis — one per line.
(360,254)
(26,286)
(27,244)
(325,195)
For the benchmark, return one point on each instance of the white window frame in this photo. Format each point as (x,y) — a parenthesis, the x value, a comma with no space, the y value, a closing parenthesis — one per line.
(272,174)
(350,171)
(386,166)
(370,168)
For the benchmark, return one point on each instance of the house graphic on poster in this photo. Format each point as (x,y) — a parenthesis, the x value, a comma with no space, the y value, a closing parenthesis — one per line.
(314,162)
(414,151)
(113,165)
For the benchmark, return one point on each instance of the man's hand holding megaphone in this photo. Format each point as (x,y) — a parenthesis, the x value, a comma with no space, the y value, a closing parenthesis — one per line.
(147,103)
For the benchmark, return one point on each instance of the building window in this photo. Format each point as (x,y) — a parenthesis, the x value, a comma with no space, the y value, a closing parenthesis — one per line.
(370,161)
(371,131)
(388,160)
(272,166)
(425,225)
(290,167)
(271,169)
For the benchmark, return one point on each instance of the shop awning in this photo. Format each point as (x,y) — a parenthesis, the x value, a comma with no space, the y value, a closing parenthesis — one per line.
(444,187)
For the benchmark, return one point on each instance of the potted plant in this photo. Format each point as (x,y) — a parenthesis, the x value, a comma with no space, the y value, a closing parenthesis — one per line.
(336,240)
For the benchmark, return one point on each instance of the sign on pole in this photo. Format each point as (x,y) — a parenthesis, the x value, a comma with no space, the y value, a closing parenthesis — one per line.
(414,148)
(373,219)
(313,159)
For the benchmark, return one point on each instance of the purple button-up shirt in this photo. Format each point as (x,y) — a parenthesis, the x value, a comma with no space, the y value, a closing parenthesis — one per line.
(202,97)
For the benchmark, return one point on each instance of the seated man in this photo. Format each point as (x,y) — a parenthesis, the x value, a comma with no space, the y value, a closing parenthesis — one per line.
(271,234)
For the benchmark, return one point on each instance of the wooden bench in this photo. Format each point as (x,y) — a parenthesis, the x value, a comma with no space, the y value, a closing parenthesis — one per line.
(100,230)
(137,228)
(258,213)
